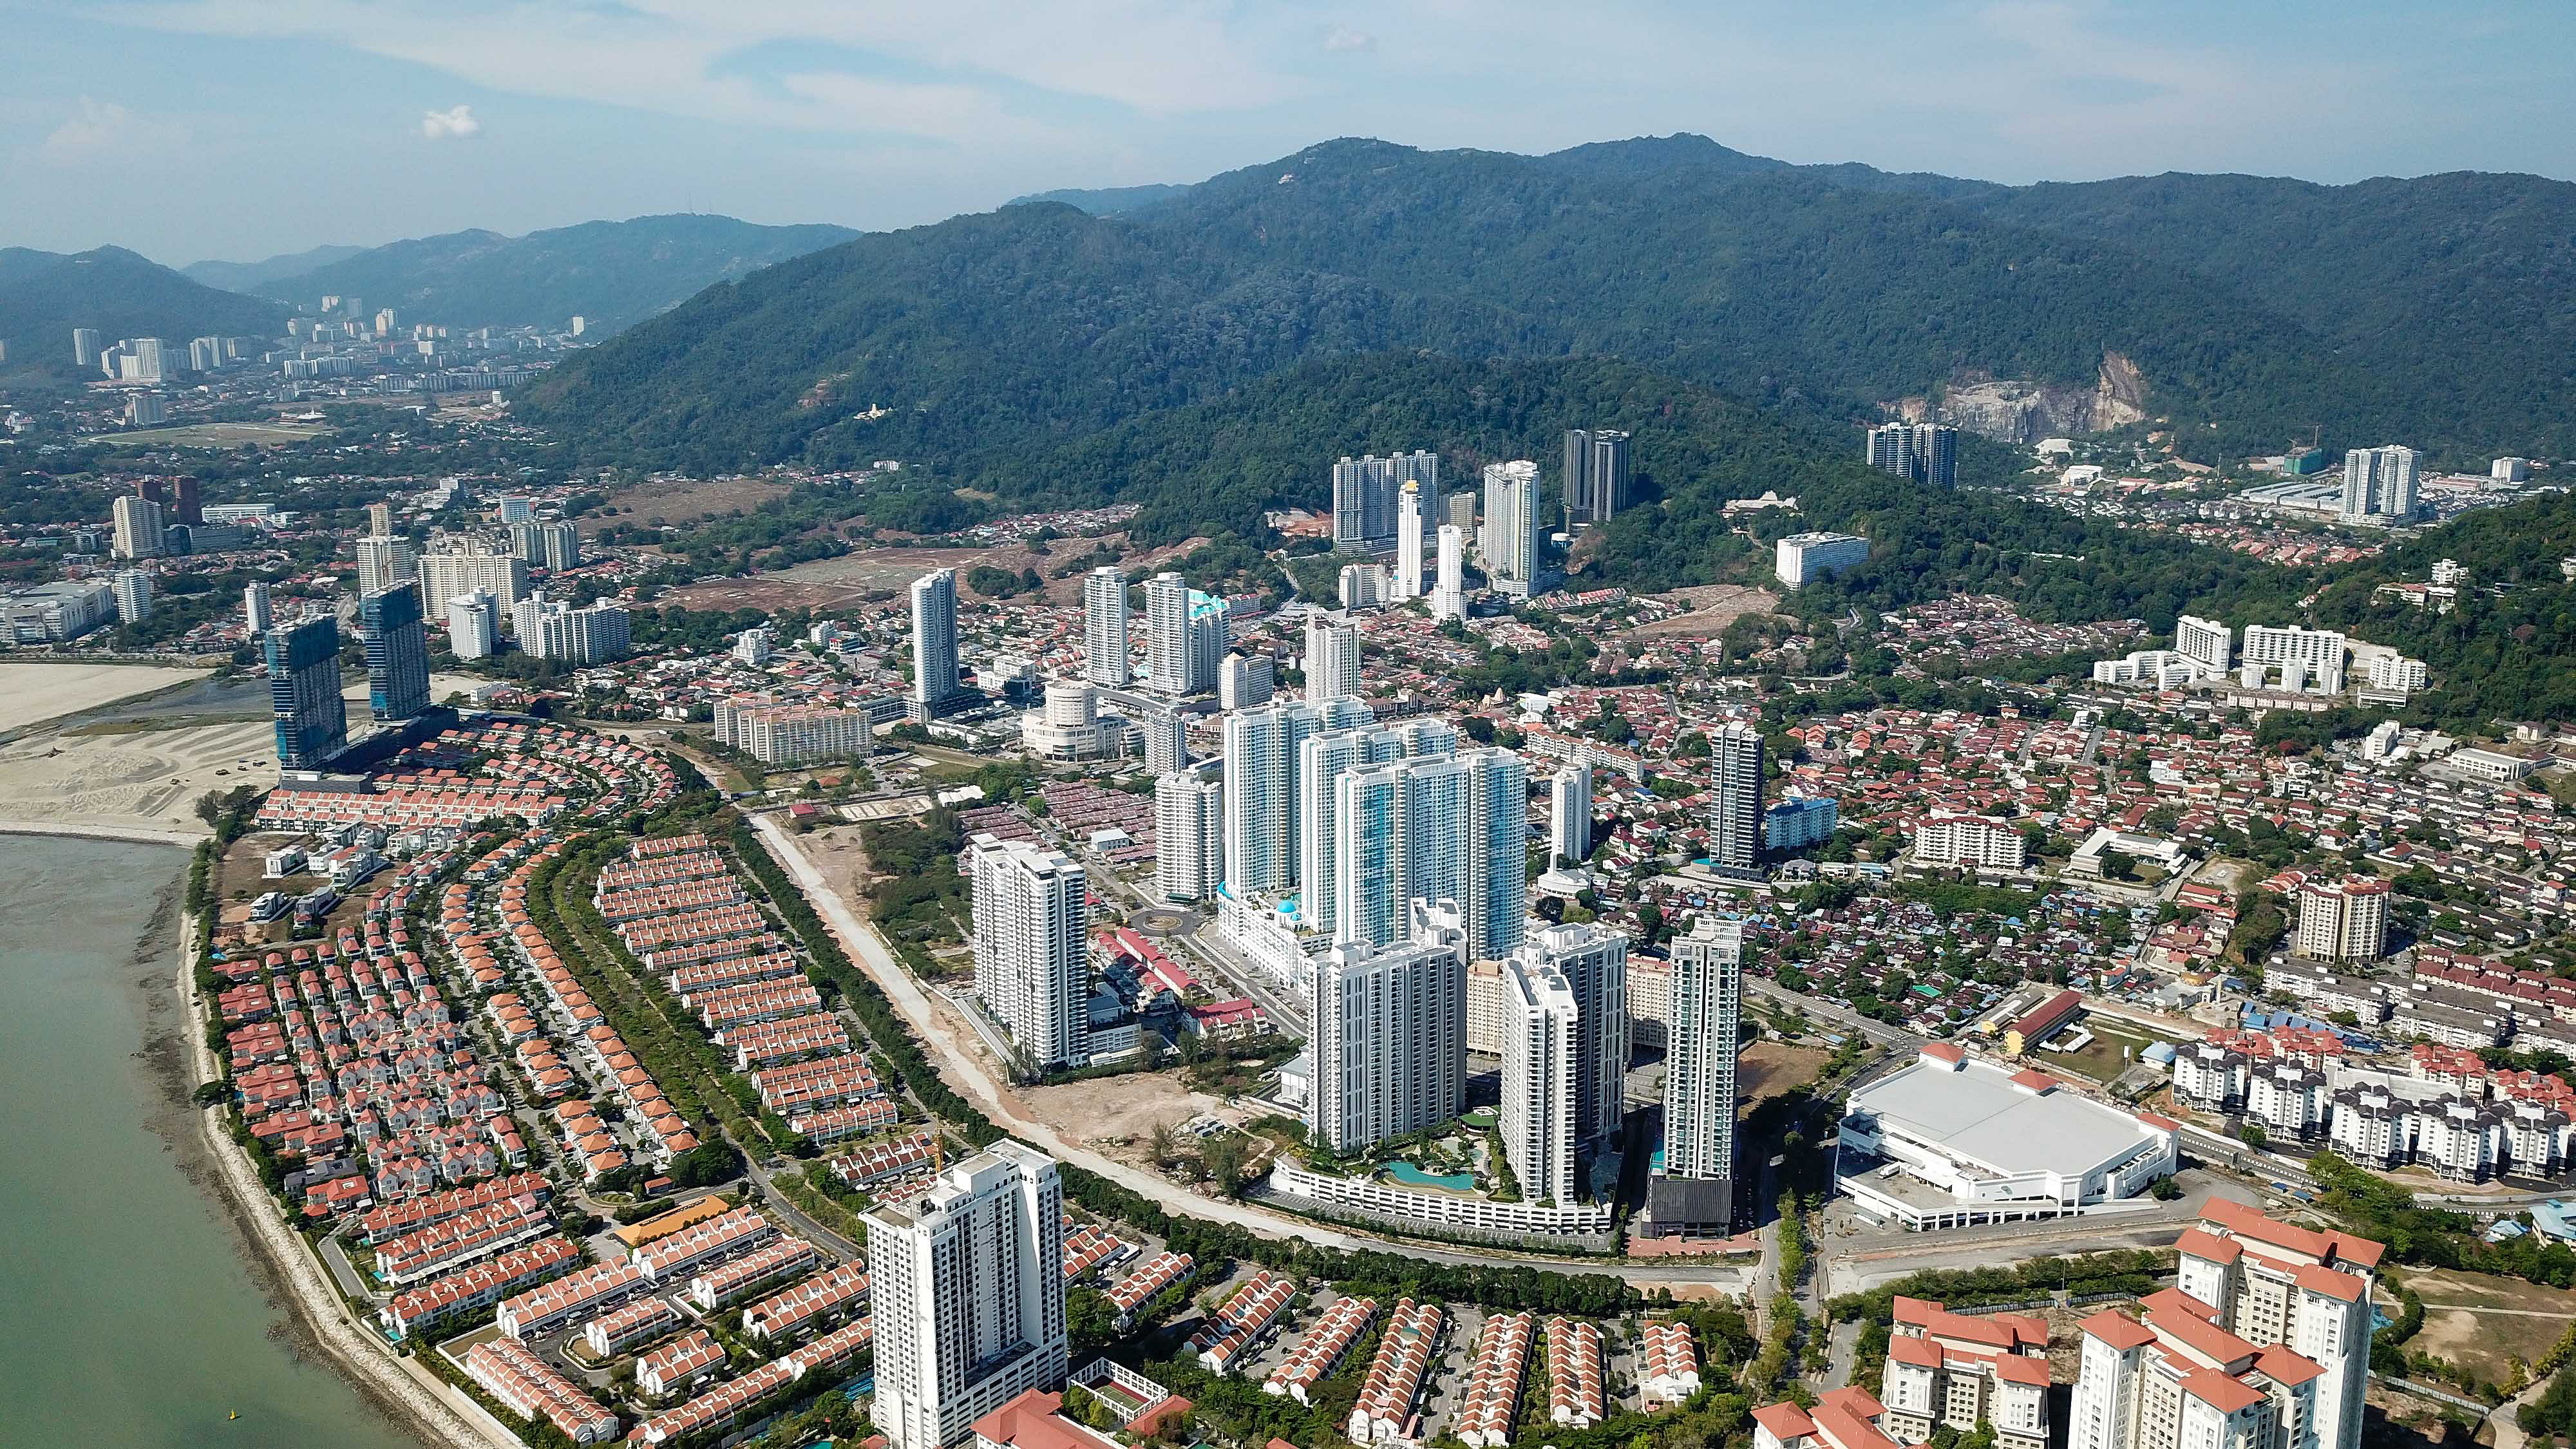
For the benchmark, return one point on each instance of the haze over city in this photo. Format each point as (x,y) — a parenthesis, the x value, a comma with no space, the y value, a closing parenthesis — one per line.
(268,128)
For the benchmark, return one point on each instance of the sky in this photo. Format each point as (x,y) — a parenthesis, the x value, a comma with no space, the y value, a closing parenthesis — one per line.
(237,129)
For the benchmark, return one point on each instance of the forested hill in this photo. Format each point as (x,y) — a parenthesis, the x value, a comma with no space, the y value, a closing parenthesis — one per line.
(611,273)
(2508,653)
(2476,272)
(248,276)
(44,295)
(1215,465)
(2256,310)
(1109,201)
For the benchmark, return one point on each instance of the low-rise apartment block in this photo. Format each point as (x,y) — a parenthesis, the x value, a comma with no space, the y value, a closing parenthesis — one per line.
(1956,1368)
(794,734)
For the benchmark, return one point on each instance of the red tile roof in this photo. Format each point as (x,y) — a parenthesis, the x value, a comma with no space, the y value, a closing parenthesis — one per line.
(2287,1367)
(2330,1283)
(1031,1422)
(2017,1369)
(2216,1249)
(1787,1420)
(2202,1337)
(2218,1390)
(2118,1330)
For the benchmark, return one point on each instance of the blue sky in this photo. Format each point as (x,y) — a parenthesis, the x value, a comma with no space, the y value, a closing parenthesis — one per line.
(190,129)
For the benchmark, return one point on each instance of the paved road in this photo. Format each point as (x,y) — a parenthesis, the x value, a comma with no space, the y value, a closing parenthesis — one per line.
(806,1227)
(335,1256)
(1842,1346)
(1825,1011)
(975,1082)
(2507,1416)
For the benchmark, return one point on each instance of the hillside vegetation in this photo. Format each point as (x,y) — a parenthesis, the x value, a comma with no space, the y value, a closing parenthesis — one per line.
(44,295)
(611,273)
(2256,310)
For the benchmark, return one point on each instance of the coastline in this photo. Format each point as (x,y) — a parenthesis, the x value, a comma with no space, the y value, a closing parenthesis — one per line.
(99,830)
(425,1407)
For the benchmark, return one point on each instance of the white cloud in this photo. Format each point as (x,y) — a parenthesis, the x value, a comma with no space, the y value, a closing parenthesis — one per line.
(1343,38)
(716,59)
(105,130)
(457,124)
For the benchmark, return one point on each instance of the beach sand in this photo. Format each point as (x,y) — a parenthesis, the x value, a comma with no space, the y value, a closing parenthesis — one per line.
(33,693)
(143,784)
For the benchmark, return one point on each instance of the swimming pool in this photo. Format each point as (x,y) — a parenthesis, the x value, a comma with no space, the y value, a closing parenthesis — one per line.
(1407,1173)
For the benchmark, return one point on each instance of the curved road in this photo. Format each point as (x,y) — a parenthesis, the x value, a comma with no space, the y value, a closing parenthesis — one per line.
(970,1077)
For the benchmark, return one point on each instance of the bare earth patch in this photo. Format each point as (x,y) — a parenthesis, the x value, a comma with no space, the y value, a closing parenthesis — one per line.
(1711,608)
(834,583)
(148,781)
(2480,1322)
(30,693)
(686,500)
(1767,1069)
(1114,1114)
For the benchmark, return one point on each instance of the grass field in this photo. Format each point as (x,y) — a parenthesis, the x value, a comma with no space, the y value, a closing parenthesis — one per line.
(218,435)
(686,500)
(2101,1059)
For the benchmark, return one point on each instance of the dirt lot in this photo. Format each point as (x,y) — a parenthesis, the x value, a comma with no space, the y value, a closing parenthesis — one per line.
(1113,1114)
(686,500)
(238,879)
(2479,1322)
(1767,1069)
(219,435)
(833,583)
(1712,607)
(142,780)
(837,854)
(30,693)
(839,582)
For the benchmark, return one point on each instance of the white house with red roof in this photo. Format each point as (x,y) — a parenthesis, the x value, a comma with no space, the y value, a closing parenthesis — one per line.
(1845,1418)
(1964,1370)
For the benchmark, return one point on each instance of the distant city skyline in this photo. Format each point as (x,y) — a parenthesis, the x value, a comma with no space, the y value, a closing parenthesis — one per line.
(517,117)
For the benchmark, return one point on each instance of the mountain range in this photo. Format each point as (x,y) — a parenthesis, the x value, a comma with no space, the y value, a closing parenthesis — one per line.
(44,295)
(2243,312)
(611,274)
(248,276)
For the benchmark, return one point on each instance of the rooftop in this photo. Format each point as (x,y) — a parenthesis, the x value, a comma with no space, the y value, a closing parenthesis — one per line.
(1977,1112)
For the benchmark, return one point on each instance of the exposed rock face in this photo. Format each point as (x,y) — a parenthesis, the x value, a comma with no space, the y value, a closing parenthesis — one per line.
(2010,410)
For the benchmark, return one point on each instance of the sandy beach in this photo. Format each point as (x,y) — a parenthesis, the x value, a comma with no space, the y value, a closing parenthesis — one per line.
(139,785)
(31,693)
(132,778)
